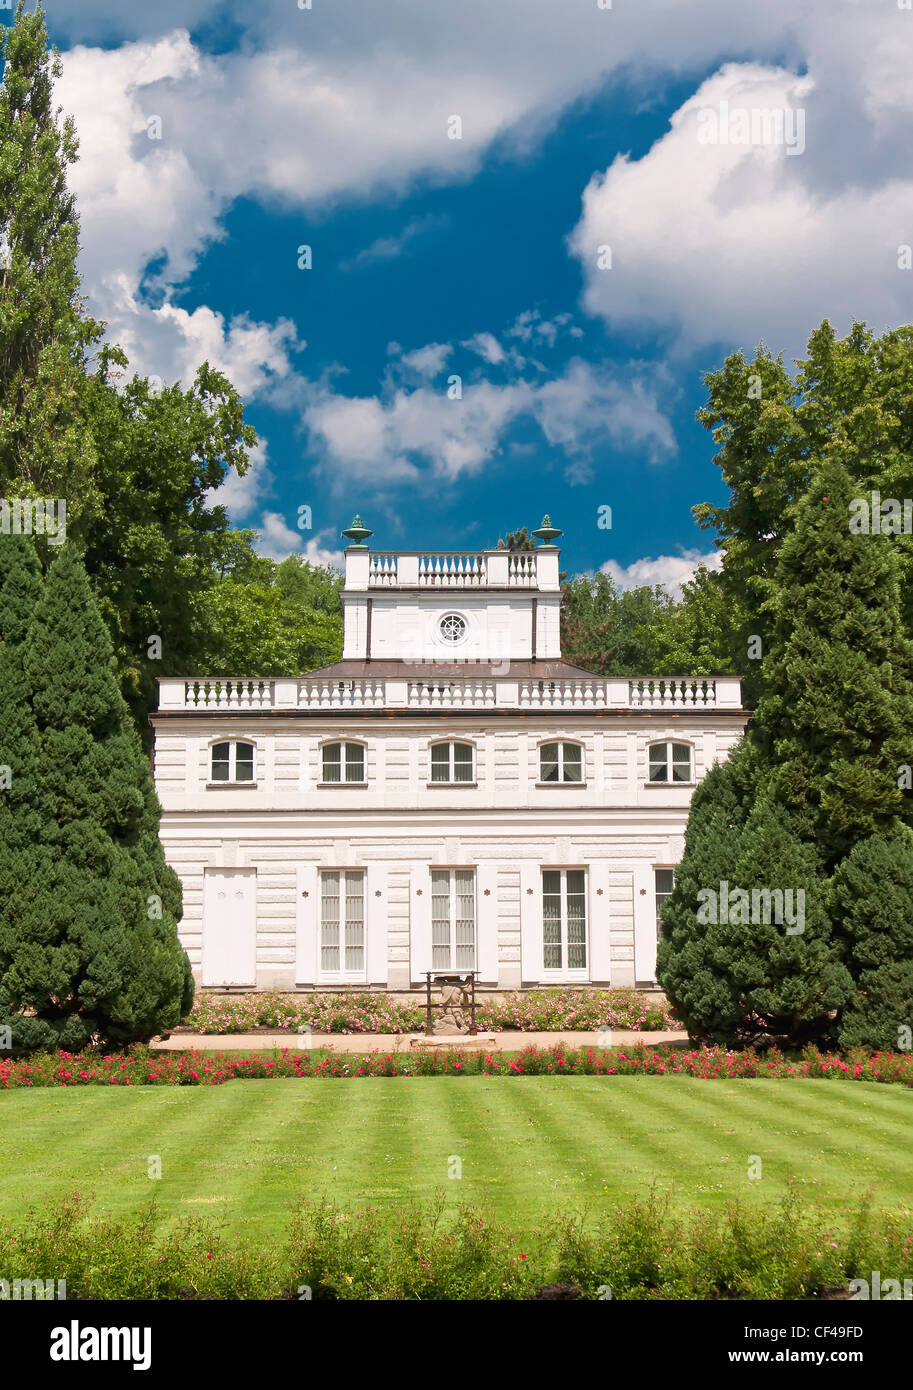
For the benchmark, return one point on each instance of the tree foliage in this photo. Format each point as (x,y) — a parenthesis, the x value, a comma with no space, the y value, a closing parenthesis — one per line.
(741,963)
(88,908)
(836,712)
(872,905)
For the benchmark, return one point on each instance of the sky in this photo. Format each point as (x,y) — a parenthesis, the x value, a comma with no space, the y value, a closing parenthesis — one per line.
(532,226)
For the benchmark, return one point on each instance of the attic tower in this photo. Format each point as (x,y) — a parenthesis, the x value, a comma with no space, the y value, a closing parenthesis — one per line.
(483,608)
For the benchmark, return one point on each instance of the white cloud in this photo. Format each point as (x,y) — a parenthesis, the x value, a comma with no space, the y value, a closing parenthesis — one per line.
(585,402)
(672,571)
(353,102)
(241,495)
(486,346)
(317,554)
(277,541)
(388,248)
(738,242)
(411,435)
(141,199)
(427,361)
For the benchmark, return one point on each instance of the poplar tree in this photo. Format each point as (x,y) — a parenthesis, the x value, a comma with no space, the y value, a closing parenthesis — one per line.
(45,446)
(89,951)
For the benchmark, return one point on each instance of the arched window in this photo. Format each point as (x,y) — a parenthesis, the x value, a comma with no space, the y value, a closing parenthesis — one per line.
(343,762)
(560,762)
(451,762)
(232,761)
(670,762)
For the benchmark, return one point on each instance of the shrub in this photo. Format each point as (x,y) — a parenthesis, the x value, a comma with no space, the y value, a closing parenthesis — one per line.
(641,1249)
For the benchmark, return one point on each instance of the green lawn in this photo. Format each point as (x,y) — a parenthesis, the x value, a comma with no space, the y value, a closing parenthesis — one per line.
(532,1147)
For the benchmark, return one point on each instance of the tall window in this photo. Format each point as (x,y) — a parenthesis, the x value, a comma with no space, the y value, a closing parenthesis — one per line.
(564,919)
(232,762)
(665,882)
(453,919)
(343,762)
(561,762)
(670,762)
(451,762)
(342,923)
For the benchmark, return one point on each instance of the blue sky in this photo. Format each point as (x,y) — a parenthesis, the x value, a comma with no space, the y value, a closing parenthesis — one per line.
(477,257)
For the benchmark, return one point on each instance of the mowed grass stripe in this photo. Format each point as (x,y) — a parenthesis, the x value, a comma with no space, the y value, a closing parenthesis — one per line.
(655,1137)
(529,1147)
(806,1139)
(529,1168)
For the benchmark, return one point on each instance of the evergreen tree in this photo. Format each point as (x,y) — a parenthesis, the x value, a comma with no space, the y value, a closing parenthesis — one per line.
(686,966)
(88,907)
(872,906)
(835,717)
(20,588)
(751,954)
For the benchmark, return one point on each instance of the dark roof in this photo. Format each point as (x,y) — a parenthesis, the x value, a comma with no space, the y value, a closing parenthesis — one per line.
(441,670)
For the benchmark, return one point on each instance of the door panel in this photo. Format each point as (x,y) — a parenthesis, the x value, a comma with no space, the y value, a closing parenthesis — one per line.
(230,927)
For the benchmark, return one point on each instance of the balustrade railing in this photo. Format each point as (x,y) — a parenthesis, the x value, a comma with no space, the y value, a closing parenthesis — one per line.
(672,694)
(453,692)
(228,694)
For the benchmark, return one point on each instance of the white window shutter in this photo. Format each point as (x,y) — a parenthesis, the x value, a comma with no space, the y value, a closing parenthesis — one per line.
(487,923)
(644,924)
(419,922)
(307,918)
(530,923)
(376,924)
(599,926)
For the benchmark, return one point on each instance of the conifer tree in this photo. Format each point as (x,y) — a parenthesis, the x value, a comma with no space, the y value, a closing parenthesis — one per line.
(872,906)
(835,718)
(20,588)
(685,966)
(747,951)
(88,908)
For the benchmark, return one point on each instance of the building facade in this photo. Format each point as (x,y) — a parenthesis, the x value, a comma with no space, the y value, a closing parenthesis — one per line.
(451,795)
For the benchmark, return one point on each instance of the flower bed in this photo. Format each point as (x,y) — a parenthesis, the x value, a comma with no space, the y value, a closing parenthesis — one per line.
(141,1067)
(541,1010)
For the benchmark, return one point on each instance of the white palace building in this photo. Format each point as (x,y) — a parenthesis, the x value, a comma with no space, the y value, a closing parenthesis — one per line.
(451,795)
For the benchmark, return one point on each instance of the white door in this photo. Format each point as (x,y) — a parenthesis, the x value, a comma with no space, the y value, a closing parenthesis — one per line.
(230,927)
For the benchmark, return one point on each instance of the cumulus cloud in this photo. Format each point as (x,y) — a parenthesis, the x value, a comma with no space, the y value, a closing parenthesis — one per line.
(486,346)
(671,571)
(354,102)
(411,435)
(738,240)
(240,495)
(427,361)
(277,540)
(142,199)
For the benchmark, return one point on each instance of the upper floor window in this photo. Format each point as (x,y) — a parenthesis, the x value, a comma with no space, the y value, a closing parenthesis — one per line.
(670,762)
(232,761)
(452,628)
(451,762)
(561,762)
(343,762)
